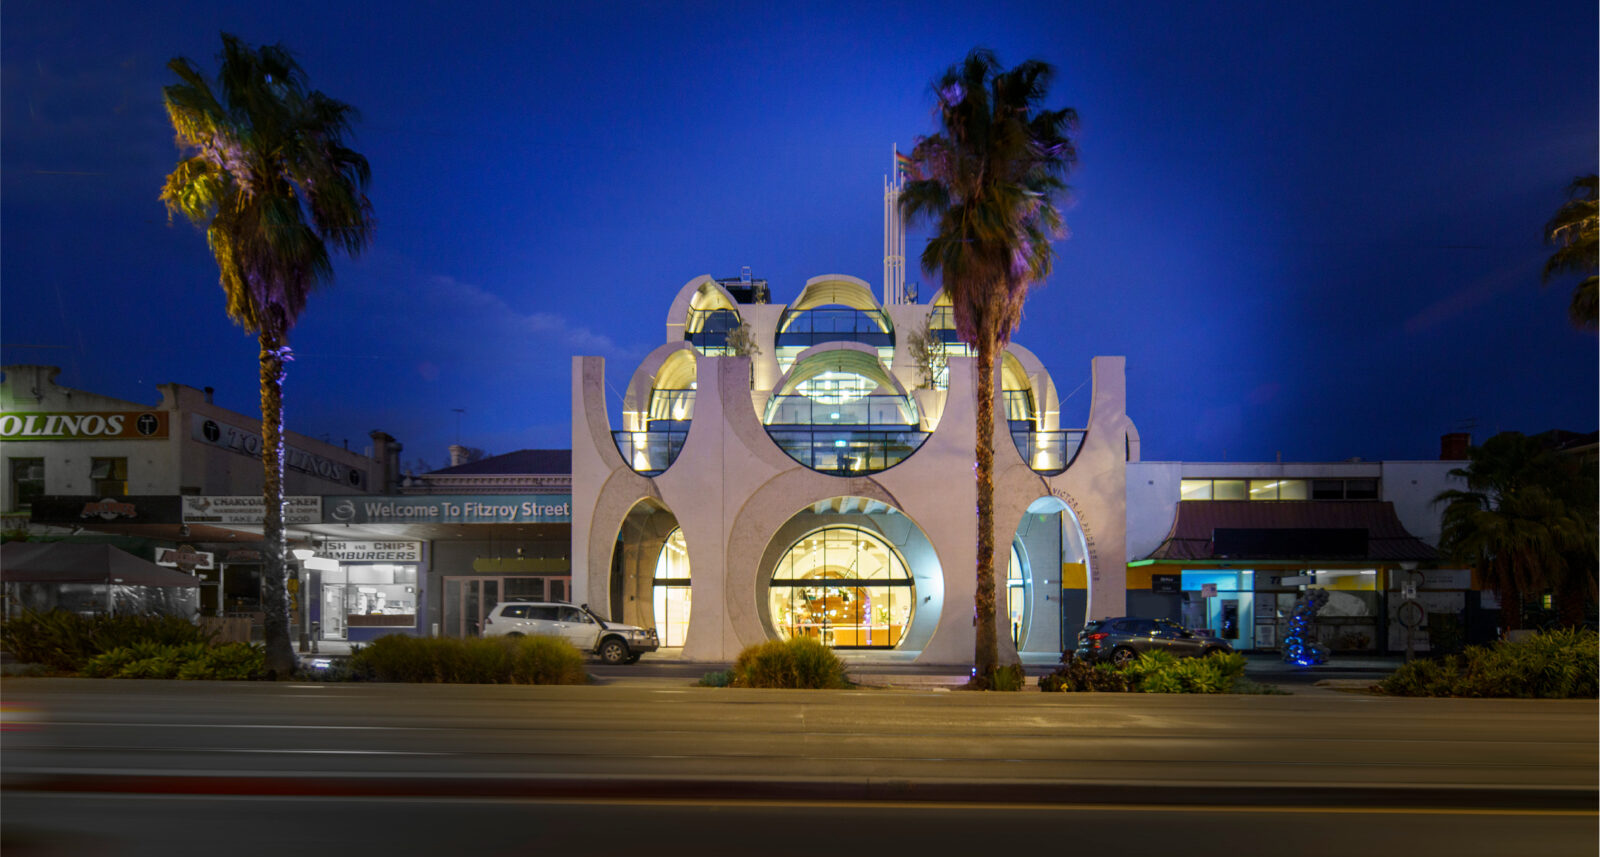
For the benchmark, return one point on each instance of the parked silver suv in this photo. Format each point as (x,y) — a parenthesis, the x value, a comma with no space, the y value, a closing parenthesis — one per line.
(613,642)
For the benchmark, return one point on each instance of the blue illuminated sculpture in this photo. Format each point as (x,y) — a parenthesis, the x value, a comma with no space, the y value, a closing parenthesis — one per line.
(1297,647)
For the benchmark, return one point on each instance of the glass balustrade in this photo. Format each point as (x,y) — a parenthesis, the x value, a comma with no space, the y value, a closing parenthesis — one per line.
(651,452)
(1047,451)
(805,328)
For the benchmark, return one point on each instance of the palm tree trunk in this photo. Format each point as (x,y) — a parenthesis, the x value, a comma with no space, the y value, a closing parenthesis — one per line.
(274,590)
(986,655)
(1510,609)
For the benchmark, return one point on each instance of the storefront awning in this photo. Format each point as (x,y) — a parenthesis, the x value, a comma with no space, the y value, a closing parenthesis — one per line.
(1298,530)
(68,562)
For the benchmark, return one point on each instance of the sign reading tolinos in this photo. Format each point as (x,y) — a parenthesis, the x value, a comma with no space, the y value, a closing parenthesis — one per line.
(247,442)
(446,509)
(83,425)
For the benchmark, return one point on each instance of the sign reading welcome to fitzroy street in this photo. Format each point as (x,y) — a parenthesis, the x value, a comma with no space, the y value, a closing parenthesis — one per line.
(248,510)
(448,509)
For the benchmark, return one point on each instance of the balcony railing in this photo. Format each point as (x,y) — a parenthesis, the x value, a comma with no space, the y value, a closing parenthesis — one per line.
(880,411)
(1048,452)
(707,330)
(847,452)
(651,452)
(805,328)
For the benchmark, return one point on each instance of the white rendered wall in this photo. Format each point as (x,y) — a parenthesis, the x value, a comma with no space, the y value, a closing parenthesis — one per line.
(733,491)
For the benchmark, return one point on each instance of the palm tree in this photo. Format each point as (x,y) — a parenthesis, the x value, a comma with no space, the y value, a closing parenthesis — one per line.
(1575,230)
(1525,522)
(989,181)
(274,185)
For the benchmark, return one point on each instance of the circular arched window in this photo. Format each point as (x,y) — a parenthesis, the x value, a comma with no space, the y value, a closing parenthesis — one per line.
(844,586)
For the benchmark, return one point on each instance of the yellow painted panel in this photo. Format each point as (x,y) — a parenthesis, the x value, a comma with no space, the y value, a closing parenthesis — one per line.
(521,565)
(1139,577)
(1074,575)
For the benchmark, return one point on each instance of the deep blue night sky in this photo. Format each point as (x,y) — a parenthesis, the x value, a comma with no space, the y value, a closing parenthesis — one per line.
(1314,229)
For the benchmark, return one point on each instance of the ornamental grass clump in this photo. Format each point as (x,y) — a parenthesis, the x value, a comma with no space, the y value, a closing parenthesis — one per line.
(1559,664)
(493,660)
(800,663)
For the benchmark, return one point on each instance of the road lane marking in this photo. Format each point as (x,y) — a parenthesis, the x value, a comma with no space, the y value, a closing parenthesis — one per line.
(758,803)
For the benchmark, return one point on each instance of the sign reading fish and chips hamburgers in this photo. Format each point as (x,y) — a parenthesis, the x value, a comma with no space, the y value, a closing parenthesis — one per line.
(83,425)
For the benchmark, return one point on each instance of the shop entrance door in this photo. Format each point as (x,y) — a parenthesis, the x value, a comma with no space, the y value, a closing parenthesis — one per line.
(467,600)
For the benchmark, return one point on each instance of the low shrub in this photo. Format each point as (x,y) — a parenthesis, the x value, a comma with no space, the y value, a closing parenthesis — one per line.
(66,642)
(1078,676)
(1160,672)
(719,678)
(801,663)
(227,662)
(1559,664)
(1153,672)
(193,661)
(492,660)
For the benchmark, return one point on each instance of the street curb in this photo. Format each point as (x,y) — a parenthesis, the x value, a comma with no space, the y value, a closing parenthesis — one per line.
(1195,794)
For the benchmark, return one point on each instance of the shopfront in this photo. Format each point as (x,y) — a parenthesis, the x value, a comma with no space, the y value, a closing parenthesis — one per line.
(360,590)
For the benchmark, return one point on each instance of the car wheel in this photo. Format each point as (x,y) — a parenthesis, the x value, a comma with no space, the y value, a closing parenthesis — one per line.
(614,651)
(1123,656)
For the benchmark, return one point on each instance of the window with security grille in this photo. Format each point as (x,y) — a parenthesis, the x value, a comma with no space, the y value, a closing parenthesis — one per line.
(27,482)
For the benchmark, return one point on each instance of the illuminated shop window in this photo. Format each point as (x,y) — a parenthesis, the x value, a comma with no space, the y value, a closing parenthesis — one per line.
(368,595)
(844,586)
(671,595)
(1017,595)
(1277,489)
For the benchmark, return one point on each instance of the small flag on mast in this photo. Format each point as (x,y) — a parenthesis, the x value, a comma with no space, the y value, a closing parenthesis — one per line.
(903,165)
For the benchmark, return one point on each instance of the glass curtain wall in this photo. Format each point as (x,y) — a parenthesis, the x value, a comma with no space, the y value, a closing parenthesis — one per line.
(845,587)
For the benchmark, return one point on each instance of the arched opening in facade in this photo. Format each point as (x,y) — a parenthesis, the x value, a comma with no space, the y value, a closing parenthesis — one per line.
(1048,582)
(1032,414)
(839,411)
(670,590)
(657,413)
(712,316)
(833,308)
(636,564)
(852,573)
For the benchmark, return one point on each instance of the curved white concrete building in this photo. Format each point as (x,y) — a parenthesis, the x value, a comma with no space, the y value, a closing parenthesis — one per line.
(823,485)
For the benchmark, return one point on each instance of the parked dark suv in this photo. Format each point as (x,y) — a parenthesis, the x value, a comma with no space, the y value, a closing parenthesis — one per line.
(1124,638)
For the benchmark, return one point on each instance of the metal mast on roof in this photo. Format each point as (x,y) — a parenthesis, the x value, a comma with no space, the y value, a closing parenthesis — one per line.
(894,240)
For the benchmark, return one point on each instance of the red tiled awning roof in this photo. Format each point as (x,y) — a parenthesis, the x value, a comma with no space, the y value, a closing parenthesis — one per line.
(1290,529)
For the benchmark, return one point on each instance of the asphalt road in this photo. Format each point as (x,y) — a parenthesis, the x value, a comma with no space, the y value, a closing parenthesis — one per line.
(130,767)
